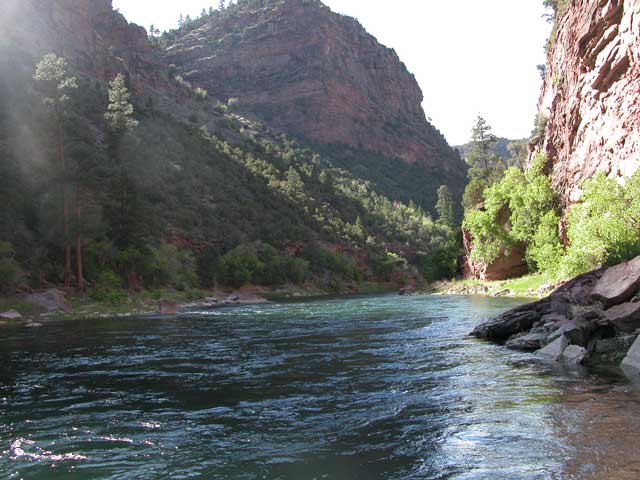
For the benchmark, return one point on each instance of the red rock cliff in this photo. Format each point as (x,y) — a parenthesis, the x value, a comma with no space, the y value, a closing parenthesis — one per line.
(95,39)
(316,74)
(591,94)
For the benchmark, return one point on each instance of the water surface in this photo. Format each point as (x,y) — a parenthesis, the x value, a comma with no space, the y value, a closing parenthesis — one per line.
(367,388)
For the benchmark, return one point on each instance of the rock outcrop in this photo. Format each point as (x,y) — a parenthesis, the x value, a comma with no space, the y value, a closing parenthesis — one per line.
(592,318)
(96,40)
(591,95)
(317,75)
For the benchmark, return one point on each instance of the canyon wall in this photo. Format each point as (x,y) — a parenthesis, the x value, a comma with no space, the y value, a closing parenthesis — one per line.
(591,95)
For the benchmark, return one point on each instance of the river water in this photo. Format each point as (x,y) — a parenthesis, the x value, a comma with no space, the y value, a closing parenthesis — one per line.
(381,387)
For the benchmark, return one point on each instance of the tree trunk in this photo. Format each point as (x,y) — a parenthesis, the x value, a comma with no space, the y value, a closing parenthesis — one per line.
(65,209)
(79,272)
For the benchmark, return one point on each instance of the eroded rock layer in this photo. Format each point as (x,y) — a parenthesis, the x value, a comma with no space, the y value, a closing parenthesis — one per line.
(591,94)
(318,75)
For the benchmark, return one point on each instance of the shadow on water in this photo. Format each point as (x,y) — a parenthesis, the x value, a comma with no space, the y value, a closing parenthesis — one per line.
(379,387)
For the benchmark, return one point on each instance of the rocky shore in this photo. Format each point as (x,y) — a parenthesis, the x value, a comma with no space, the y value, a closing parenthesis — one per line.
(592,319)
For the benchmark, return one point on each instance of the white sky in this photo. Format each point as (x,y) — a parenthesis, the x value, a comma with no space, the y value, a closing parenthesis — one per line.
(470,57)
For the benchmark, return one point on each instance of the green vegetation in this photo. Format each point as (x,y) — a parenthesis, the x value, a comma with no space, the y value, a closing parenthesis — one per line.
(603,229)
(520,210)
(184,196)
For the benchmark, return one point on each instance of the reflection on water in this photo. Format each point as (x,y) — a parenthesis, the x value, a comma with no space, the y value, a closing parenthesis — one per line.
(362,388)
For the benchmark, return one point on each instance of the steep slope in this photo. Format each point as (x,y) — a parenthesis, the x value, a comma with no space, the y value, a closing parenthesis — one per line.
(319,76)
(590,100)
(199,178)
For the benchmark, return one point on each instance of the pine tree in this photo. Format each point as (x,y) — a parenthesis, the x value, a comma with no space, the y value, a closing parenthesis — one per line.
(203,13)
(211,11)
(54,83)
(482,142)
(445,208)
(119,116)
(221,5)
(180,21)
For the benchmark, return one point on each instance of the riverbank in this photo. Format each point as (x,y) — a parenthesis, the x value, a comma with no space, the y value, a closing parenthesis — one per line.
(591,320)
(530,286)
(54,305)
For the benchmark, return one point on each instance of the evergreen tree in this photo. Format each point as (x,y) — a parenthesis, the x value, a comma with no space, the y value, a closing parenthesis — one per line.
(445,207)
(482,142)
(55,83)
(211,11)
(180,21)
(221,5)
(120,119)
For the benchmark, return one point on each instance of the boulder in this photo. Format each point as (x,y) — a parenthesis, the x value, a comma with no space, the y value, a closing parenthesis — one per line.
(631,363)
(625,317)
(168,307)
(553,351)
(33,325)
(565,329)
(51,300)
(574,356)
(508,324)
(618,284)
(530,342)
(10,315)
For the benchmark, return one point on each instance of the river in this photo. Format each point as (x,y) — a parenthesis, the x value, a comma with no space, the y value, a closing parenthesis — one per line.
(380,387)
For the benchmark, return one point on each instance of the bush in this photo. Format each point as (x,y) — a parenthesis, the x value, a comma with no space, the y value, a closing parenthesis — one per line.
(442,263)
(603,229)
(519,210)
(172,267)
(261,264)
(10,271)
(108,289)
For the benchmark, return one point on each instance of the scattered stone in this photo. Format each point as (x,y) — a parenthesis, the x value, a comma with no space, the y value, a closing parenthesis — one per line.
(168,307)
(625,317)
(574,356)
(631,363)
(10,315)
(51,300)
(618,284)
(33,325)
(553,351)
(503,293)
(530,342)
(233,298)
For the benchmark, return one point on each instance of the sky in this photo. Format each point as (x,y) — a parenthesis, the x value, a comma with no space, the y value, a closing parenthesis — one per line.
(470,57)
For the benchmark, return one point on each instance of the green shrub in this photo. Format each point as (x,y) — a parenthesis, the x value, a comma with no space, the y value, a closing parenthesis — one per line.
(442,263)
(519,210)
(603,228)
(10,271)
(108,289)
(171,266)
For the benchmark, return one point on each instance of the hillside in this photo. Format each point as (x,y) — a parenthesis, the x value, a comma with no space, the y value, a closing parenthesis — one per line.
(320,77)
(500,148)
(196,194)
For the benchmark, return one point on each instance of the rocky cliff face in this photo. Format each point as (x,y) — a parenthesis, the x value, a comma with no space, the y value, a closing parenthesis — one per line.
(591,94)
(317,75)
(95,39)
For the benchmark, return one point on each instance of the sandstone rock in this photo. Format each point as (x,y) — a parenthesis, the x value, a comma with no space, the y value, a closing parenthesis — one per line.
(574,356)
(51,300)
(631,363)
(318,75)
(625,317)
(508,324)
(618,284)
(591,95)
(10,315)
(168,307)
(530,342)
(553,351)
(504,267)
